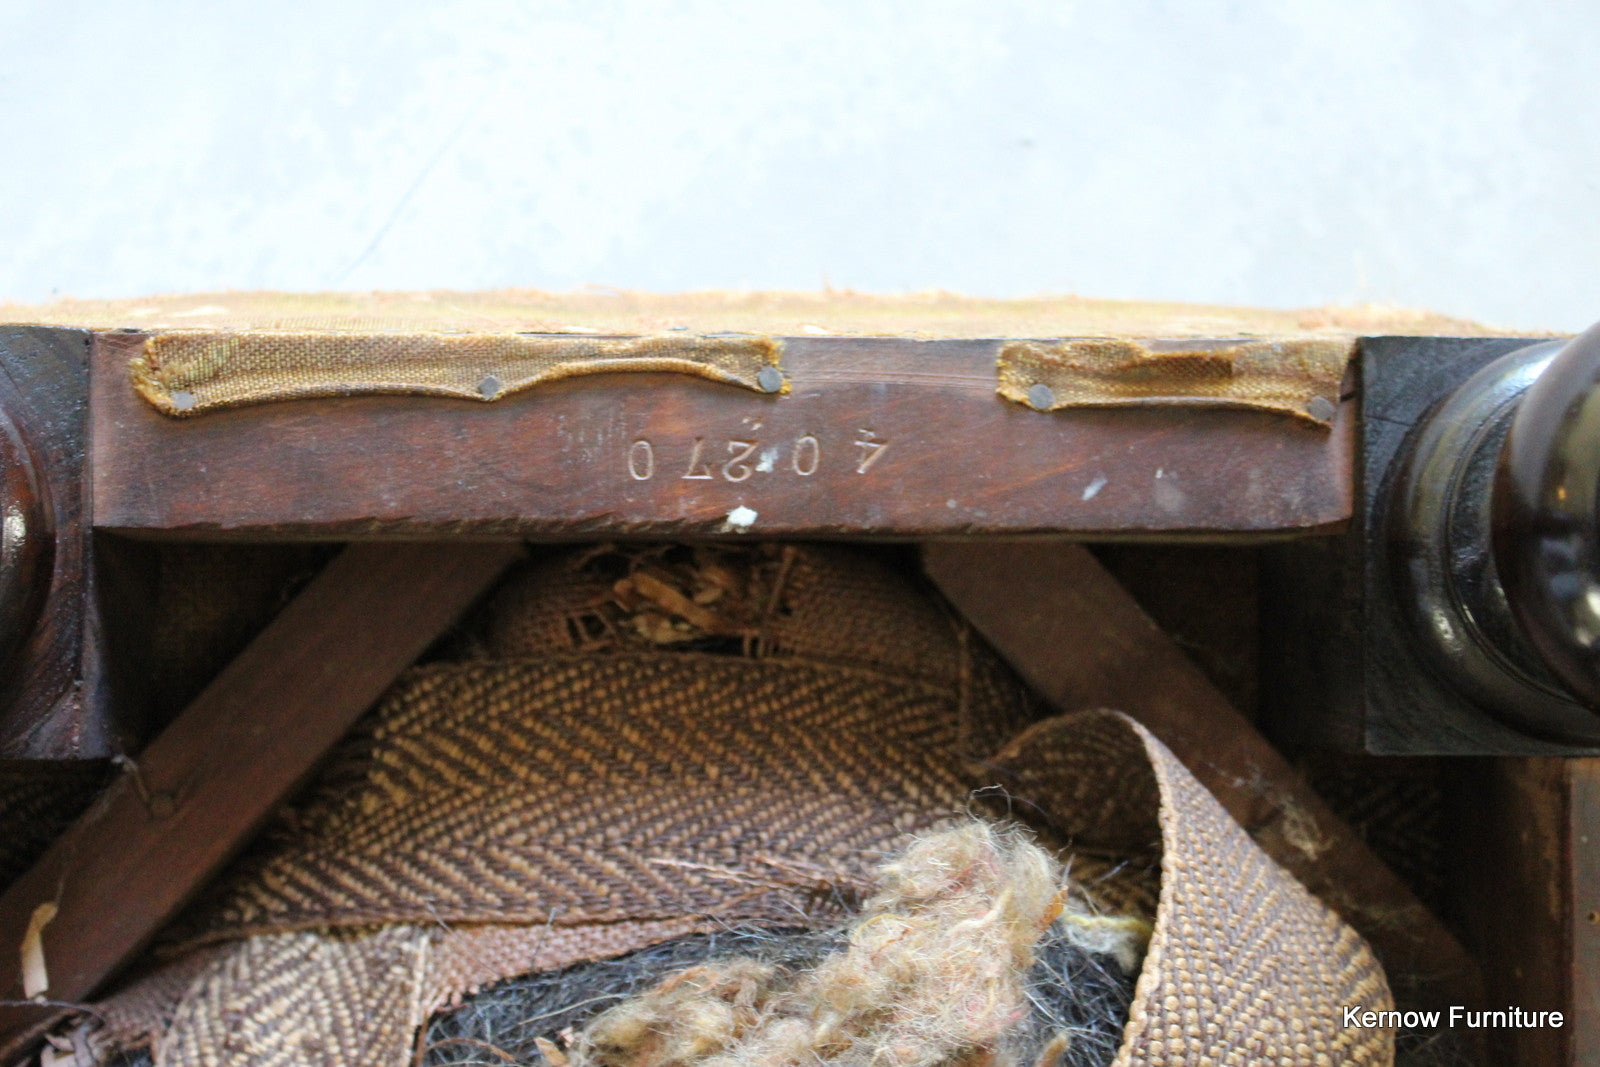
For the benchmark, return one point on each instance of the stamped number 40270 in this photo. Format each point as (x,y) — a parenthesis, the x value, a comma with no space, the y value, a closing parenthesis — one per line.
(708,459)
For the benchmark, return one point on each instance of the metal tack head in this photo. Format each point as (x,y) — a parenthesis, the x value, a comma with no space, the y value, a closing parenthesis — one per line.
(489,388)
(183,400)
(770,379)
(1320,408)
(1041,396)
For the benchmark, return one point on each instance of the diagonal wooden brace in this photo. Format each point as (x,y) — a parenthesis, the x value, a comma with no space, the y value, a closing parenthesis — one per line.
(201,788)
(1082,641)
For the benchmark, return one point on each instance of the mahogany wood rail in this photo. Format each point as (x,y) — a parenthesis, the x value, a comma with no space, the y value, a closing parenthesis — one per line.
(881,438)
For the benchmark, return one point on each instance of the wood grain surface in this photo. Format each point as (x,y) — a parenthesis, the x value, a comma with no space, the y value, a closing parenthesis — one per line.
(1513,861)
(878,438)
(1582,917)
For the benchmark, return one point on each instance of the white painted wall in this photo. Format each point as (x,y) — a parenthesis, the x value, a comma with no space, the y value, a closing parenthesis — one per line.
(1444,154)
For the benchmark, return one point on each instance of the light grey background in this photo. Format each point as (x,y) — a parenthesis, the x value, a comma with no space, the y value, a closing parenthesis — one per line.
(1442,154)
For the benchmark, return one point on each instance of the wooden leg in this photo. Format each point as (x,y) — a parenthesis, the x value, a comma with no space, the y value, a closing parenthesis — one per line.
(1528,868)
(1583,914)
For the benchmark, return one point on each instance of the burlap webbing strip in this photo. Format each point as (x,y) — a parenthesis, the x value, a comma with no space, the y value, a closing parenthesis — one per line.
(590,790)
(191,372)
(1291,377)
(521,809)
(1245,966)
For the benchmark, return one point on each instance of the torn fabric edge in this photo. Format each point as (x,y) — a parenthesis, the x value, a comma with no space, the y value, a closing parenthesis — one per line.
(185,373)
(1299,378)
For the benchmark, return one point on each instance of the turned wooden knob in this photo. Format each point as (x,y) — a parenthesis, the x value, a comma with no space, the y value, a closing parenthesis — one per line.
(25,544)
(1490,549)
(1546,530)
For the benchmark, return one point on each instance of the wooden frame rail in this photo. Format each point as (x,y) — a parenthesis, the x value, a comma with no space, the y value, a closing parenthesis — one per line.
(876,438)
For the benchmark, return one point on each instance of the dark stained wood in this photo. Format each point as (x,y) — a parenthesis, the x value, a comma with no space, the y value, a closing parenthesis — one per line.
(191,608)
(879,438)
(1204,597)
(49,701)
(1083,642)
(1511,858)
(1527,871)
(1583,913)
(25,538)
(206,782)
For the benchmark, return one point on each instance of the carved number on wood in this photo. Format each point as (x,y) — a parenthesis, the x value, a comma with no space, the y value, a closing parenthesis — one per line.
(871,448)
(745,457)
(807,454)
(698,468)
(641,461)
(736,469)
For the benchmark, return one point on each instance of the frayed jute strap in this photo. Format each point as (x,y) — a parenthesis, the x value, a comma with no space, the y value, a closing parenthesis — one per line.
(937,969)
(1244,965)
(191,372)
(1293,377)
